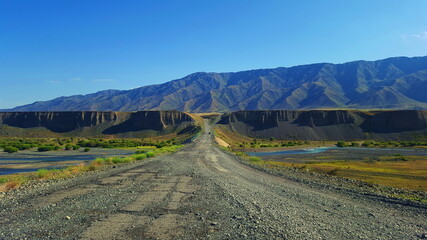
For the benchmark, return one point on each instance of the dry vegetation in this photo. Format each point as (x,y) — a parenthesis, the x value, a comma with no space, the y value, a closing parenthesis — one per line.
(409,174)
(8,182)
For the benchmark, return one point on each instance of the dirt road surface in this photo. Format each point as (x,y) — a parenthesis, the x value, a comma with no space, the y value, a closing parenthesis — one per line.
(201,192)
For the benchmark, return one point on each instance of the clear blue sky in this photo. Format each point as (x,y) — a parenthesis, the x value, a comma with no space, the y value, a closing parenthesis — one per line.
(52,48)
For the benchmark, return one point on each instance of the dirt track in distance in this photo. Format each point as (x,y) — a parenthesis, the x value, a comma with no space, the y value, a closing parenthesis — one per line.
(201,192)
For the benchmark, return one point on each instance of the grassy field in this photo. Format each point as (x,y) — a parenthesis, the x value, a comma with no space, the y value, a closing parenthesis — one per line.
(8,182)
(410,174)
(15,144)
(407,172)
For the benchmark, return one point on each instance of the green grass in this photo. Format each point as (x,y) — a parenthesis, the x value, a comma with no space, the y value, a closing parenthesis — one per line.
(410,173)
(254,159)
(140,156)
(42,173)
(70,143)
(9,182)
(406,172)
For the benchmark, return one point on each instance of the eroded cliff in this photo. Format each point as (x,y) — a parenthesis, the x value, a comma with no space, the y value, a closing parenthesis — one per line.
(90,123)
(328,124)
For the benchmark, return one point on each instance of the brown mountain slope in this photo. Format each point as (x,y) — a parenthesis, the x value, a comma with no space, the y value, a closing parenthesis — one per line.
(393,83)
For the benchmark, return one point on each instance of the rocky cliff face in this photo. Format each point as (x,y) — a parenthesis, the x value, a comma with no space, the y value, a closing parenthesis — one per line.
(328,124)
(92,123)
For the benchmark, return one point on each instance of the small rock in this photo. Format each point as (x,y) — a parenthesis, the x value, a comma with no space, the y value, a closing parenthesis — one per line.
(68,217)
(424,236)
(214,223)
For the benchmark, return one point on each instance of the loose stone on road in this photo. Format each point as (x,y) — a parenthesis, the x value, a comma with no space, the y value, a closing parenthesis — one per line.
(197,193)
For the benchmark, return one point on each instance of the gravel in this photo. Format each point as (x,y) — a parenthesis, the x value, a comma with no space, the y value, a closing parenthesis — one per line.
(201,192)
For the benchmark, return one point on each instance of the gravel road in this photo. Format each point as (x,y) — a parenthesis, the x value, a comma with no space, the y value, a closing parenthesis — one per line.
(201,192)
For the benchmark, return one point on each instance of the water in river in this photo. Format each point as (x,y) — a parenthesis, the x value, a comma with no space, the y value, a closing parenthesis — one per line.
(30,161)
(337,154)
(298,151)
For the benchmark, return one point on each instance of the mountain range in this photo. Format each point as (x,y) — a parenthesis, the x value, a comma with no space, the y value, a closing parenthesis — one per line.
(392,83)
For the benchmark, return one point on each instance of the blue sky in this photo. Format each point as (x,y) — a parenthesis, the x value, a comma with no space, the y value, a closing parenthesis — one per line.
(51,48)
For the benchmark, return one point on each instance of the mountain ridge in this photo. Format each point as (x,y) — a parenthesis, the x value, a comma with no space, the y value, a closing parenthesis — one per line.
(391,83)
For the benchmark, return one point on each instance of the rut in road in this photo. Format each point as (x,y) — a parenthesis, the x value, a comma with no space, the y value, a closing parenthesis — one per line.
(202,192)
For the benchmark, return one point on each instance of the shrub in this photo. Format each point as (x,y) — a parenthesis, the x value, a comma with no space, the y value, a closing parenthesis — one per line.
(42,173)
(43,149)
(254,159)
(76,147)
(140,156)
(151,154)
(141,151)
(10,149)
(116,160)
(98,161)
(241,154)
(341,144)
(24,146)
(86,149)
(91,168)
(400,157)
(127,160)
(68,147)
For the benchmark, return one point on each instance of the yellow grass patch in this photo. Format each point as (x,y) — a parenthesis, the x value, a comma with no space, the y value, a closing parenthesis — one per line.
(221,142)
(198,118)
(230,137)
(410,174)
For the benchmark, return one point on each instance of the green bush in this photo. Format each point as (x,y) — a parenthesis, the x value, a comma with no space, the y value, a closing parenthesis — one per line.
(76,147)
(86,149)
(127,160)
(140,156)
(43,149)
(341,144)
(47,148)
(116,160)
(99,161)
(24,146)
(255,159)
(10,149)
(241,154)
(42,173)
(151,154)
